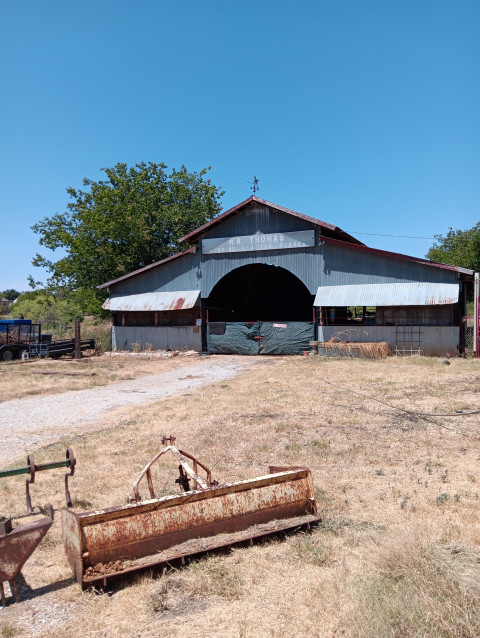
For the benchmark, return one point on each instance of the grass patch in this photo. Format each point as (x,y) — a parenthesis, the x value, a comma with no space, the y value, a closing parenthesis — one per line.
(417,589)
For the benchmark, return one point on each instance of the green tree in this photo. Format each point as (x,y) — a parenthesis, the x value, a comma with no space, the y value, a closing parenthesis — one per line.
(52,309)
(10,294)
(131,219)
(458,248)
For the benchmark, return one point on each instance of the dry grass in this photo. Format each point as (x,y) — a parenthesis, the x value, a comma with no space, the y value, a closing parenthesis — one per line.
(332,348)
(397,553)
(47,376)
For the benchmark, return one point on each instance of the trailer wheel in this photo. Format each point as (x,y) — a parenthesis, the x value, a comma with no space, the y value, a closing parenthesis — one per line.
(7,354)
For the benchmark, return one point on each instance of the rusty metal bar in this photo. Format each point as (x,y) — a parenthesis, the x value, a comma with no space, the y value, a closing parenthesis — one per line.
(32,468)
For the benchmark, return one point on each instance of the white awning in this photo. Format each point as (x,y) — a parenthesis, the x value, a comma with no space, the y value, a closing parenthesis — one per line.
(396,294)
(148,301)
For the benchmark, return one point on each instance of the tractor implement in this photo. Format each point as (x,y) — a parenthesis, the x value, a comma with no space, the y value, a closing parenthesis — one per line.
(17,544)
(105,545)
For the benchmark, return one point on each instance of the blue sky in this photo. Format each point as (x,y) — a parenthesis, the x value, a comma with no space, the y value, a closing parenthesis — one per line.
(364,114)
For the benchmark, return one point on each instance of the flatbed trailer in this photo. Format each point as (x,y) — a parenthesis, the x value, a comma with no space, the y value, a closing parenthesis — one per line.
(56,349)
(19,337)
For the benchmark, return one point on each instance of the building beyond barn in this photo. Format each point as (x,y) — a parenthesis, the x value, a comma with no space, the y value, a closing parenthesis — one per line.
(263,279)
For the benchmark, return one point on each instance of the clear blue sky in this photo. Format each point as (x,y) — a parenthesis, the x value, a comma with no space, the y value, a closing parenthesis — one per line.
(364,114)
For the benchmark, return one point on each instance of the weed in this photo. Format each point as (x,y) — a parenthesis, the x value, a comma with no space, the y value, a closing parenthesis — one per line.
(8,630)
(310,548)
(212,576)
(379,472)
(320,447)
(442,498)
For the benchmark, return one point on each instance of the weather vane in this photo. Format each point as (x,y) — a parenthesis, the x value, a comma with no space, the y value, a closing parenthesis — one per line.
(255,186)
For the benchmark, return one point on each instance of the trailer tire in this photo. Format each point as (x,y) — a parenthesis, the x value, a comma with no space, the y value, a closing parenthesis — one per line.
(7,354)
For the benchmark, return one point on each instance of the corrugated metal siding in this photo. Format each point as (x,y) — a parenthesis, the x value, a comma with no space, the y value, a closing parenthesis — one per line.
(391,294)
(180,274)
(323,265)
(434,340)
(160,338)
(258,218)
(163,301)
(344,265)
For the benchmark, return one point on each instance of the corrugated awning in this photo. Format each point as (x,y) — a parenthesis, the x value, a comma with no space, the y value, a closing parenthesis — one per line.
(147,301)
(396,294)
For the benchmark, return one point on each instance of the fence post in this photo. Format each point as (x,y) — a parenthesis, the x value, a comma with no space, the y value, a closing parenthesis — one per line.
(78,351)
(476,318)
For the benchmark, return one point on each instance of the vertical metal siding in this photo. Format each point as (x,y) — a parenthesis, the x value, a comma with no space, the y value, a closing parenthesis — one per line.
(161,338)
(323,265)
(435,340)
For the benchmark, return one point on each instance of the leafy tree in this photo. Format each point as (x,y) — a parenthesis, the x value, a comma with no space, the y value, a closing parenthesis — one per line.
(52,309)
(131,219)
(10,294)
(458,248)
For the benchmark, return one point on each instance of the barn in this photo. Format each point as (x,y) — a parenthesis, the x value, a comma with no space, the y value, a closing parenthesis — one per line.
(263,279)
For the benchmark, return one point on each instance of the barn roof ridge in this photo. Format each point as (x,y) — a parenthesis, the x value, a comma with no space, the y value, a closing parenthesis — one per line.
(253,199)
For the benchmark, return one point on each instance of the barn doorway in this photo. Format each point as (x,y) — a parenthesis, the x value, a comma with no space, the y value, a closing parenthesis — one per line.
(260,309)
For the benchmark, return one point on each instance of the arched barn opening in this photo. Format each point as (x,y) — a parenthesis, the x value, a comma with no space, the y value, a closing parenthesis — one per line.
(260,309)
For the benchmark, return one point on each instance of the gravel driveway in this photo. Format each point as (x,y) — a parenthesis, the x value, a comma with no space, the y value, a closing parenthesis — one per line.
(26,424)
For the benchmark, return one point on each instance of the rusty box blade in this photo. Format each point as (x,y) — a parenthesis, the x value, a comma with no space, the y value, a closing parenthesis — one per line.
(106,544)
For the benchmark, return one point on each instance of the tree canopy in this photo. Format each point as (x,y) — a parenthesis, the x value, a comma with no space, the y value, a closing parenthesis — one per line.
(52,309)
(10,294)
(458,248)
(131,219)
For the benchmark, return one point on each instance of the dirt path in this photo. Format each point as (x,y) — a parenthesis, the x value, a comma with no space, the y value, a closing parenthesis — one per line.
(26,424)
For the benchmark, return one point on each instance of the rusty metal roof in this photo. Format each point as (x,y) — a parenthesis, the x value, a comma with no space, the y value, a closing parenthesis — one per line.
(395,294)
(147,301)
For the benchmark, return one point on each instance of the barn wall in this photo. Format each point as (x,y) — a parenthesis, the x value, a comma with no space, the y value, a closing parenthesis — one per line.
(325,264)
(182,273)
(161,338)
(434,340)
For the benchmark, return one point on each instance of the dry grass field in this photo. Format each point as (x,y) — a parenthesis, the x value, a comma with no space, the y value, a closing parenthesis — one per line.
(398,551)
(48,376)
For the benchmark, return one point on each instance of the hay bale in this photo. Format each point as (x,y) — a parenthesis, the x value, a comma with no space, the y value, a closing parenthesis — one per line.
(371,350)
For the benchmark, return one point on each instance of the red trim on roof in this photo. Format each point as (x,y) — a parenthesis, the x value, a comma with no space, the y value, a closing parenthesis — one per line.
(157,263)
(386,253)
(253,199)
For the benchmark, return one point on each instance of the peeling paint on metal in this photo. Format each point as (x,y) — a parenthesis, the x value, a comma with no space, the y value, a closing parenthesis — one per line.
(394,294)
(151,301)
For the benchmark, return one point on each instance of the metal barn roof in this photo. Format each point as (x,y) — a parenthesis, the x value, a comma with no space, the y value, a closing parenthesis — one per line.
(395,294)
(162,301)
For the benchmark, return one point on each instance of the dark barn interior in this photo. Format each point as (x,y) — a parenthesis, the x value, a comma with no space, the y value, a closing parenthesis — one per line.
(260,292)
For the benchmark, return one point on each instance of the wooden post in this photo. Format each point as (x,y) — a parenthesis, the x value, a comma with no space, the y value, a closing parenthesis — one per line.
(78,351)
(476,318)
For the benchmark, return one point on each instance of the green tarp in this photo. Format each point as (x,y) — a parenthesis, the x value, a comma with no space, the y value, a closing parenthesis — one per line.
(261,337)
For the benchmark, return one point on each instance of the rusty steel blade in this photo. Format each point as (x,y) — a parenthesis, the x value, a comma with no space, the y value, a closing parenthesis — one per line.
(116,538)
